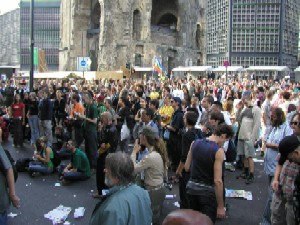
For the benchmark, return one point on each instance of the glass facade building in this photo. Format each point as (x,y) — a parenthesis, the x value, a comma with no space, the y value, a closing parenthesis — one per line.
(253,32)
(46,32)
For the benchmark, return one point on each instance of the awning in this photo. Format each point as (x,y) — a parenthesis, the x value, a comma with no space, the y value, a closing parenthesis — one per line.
(229,69)
(268,68)
(192,69)
(297,69)
(143,69)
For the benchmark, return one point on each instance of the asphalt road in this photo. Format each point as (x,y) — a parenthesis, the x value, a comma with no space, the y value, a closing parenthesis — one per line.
(39,195)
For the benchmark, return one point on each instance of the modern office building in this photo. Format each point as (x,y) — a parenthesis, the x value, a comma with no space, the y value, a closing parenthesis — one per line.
(10,39)
(252,32)
(46,32)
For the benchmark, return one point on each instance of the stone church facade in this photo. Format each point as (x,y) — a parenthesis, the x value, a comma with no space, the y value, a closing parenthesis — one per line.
(113,33)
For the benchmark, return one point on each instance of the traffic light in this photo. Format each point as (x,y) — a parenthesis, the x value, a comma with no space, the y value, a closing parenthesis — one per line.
(128,66)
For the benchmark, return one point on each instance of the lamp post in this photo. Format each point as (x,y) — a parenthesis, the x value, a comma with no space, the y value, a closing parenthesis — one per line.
(31,45)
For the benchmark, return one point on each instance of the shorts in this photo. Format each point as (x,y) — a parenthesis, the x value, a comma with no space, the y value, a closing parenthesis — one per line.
(246,147)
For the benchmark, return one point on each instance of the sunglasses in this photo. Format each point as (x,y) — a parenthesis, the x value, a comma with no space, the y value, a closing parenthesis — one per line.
(294,123)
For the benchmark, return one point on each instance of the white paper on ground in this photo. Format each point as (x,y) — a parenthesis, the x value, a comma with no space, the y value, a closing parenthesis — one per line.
(59,214)
(170,196)
(12,215)
(57,184)
(177,204)
(79,212)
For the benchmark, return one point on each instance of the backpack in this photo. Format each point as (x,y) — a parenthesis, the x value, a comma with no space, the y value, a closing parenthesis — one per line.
(231,151)
(12,162)
(56,160)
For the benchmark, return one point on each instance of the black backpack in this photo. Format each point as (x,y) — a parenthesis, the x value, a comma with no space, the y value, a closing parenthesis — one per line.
(12,162)
(231,151)
(56,160)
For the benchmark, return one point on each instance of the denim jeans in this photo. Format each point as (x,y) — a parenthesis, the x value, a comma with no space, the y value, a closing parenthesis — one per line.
(34,127)
(71,175)
(3,218)
(39,167)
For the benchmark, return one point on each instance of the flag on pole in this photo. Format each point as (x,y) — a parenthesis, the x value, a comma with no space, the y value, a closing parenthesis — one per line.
(157,65)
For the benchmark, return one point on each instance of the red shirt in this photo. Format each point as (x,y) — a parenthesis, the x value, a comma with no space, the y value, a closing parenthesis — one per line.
(17,110)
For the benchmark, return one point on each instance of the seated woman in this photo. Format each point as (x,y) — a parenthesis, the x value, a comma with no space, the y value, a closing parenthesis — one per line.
(43,156)
(154,166)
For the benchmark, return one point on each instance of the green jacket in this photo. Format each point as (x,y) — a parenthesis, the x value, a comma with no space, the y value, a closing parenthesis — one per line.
(123,205)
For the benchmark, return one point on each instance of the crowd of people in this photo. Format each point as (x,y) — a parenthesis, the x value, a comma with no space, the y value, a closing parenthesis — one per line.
(183,126)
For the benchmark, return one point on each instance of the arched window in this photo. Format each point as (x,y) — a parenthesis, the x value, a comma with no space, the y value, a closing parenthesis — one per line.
(96,14)
(167,19)
(136,33)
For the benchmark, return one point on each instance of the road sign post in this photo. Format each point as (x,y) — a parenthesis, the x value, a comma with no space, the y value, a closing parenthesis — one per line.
(83,64)
(226,64)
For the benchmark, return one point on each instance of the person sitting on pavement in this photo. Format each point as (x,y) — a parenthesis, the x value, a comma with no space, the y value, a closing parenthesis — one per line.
(186,217)
(78,168)
(125,203)
(43,155)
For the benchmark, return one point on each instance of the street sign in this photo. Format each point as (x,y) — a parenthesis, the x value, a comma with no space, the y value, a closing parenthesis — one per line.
(83,63)
(226,63)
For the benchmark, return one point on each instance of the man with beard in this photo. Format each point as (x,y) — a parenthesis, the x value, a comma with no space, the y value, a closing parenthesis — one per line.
(279,130)
(125,203)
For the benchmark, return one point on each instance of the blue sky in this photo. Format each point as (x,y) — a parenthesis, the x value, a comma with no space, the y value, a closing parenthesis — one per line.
(8,5)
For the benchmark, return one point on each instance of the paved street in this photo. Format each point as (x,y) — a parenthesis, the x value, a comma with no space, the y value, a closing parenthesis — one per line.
(39,195)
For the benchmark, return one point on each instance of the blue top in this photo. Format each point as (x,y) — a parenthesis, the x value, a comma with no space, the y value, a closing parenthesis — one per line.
(276,135)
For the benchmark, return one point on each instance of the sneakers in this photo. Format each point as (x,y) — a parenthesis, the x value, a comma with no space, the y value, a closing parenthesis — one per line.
(250,180)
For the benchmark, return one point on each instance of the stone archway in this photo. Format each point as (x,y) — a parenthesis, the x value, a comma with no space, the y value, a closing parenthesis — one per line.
(167,19)
(96,15)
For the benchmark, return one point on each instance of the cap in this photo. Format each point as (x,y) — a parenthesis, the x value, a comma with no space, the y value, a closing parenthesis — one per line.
(177,99)
(149,131)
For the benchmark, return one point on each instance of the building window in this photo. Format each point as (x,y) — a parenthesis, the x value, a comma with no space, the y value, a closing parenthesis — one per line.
(136,34)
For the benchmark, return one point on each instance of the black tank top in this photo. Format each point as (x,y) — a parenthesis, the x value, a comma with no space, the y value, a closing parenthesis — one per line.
(203,159)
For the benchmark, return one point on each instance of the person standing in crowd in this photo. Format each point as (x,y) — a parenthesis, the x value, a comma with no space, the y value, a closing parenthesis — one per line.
(123,117)
(125,203)
(176,124)
(147,119)
(90,128)
(76,111)
(284,178)
(78,168)
(43,158)
(249,124)
(45,115)
(59,108)
(18,115)
(154,165)
(108,144)
(33,119)
(110,109)
(195,105)
(7,187)
(205,163)
(167,110)
(266,120)
(279,130)
(154,105)
(206,104)
(191,134)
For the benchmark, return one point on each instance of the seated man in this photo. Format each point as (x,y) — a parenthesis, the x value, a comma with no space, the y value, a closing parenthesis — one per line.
(78,168)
